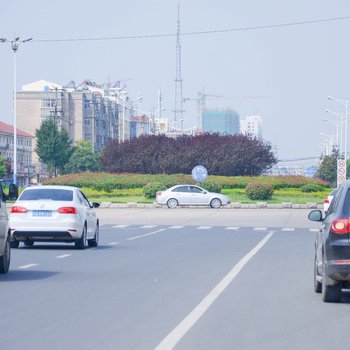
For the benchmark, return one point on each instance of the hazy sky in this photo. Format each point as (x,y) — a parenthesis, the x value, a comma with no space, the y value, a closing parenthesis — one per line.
(294,68)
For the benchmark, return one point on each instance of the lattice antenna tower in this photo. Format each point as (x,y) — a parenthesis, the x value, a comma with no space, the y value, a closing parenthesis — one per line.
(178,112)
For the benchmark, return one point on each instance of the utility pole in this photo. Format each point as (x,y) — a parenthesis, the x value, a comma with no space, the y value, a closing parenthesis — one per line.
(178,112)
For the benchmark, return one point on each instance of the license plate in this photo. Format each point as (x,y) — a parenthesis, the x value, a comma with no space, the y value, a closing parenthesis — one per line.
(41,213)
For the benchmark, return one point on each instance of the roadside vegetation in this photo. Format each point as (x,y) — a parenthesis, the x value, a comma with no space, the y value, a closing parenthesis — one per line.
(123,188)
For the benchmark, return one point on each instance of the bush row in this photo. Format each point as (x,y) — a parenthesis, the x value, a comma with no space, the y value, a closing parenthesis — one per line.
(108,181)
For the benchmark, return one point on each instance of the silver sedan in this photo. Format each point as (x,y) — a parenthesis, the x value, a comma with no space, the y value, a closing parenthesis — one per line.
(190,195)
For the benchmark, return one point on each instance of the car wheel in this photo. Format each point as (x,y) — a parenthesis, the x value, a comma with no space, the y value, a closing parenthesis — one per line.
(28,243)
(172,203)
(5,259)
(215,203)
(94,242)
(14,244)
(331,294)
(317,284)
(81,243)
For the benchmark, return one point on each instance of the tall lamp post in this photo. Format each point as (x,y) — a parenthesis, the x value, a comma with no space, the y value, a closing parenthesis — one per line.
(14,45)
(345,103)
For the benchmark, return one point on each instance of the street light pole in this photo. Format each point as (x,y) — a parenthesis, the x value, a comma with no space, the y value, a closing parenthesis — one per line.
(345,103)
(14,45)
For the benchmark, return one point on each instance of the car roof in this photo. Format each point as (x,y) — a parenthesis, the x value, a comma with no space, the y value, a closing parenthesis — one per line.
(51,187)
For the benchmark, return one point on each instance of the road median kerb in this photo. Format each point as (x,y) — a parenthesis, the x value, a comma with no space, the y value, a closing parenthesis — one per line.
(234,205)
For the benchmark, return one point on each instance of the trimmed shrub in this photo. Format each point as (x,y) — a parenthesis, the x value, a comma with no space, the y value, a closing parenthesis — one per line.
(311,188)
(150,190)
(212,187)
(259,191)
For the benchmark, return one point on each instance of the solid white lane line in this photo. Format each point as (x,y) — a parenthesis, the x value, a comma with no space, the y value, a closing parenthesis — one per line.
(63,256)
(175,227)
(27,266)
(146,234)
(260,228)
(120,226)
(288,229)
(113,243)
(149,226)
(170,341)
(204,227)
(231,228)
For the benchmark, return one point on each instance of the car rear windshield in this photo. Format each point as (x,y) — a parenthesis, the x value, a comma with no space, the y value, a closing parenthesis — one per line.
(47,194)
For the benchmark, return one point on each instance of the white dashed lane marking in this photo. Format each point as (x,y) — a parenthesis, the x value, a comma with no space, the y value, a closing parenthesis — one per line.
(149,226)
(26,266)
(113,243)
(120,226)
(176,227)
(146,234)
(63,256)
(204,227)
(260,228)
(232,228)
(288,229)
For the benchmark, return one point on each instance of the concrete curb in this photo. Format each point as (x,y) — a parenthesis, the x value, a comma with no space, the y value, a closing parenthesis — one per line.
(234,205)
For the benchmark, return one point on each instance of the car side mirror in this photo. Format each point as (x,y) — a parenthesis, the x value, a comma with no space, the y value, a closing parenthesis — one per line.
(315,215)
(95,205)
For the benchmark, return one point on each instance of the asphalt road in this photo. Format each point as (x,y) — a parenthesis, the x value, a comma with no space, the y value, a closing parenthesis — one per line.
(183,279)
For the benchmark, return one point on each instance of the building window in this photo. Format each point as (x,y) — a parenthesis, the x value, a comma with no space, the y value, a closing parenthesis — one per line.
(50,103)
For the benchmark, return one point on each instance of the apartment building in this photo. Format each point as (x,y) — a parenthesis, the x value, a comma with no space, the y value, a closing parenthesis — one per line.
(85,111)
(252,126)
(25,170)
(220,121)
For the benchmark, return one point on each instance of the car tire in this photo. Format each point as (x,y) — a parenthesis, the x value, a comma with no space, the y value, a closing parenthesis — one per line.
(215,203)
(172,203)
(317,284)
(81,243)
(14,244)
(331,294)
(94,242)
(5,258)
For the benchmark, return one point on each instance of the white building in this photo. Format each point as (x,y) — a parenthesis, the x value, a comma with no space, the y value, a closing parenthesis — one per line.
(252,125)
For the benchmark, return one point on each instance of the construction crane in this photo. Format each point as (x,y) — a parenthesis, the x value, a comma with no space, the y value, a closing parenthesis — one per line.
(201,100)
(202,97)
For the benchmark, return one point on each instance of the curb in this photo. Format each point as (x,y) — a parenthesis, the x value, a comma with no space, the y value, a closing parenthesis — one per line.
(234,205)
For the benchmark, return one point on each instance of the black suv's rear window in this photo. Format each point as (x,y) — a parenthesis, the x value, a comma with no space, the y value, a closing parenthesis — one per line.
(47,194)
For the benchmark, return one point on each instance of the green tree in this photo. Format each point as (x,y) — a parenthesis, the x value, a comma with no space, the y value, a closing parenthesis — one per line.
(53,146)
(82,159)
(3,170)
(328,168)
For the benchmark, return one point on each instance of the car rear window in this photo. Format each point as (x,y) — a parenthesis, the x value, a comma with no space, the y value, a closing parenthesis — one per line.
(47,194)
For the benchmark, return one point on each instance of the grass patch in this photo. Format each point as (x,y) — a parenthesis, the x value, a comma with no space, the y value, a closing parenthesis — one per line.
(236,195)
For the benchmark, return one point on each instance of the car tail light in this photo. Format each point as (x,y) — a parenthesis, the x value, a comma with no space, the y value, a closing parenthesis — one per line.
(18,209)
(67,210)
(340,226)
(326,201)
(159,193)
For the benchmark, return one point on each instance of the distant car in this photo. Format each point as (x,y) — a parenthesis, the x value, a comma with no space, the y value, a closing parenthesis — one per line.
(190,195)
(54,213)
(332,246)
(327,201)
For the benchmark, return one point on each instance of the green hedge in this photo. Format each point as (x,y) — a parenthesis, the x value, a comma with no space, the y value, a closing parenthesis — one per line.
(108,181)
(259,191)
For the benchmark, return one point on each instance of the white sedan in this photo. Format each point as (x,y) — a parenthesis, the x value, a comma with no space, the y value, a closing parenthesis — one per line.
(190,195)
(54,213)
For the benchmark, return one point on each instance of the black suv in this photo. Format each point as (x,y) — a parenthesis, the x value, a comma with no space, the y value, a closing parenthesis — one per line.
(332,246)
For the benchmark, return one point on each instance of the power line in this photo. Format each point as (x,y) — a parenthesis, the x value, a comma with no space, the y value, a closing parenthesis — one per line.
(240,29)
